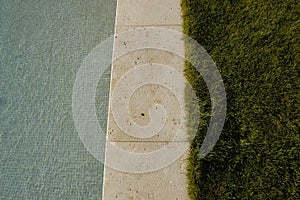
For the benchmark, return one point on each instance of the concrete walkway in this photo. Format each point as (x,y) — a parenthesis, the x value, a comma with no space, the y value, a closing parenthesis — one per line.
(146,107)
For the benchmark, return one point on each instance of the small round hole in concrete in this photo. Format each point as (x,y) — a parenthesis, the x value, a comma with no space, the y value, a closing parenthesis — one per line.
(143,114)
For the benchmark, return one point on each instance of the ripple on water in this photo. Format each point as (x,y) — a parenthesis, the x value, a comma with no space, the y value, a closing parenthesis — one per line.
(2,101)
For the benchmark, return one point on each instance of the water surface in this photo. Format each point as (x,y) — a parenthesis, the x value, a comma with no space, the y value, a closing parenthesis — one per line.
(42,44)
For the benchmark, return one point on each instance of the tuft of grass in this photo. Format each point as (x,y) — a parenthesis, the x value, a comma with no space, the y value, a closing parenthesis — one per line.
(256,46)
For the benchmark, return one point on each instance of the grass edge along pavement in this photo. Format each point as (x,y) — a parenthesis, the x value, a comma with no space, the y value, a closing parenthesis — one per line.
(256,46)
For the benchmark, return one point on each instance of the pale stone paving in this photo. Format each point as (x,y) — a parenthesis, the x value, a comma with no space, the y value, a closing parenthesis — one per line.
(150,106)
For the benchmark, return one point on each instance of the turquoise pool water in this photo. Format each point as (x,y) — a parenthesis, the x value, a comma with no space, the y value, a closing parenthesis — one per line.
(42,45)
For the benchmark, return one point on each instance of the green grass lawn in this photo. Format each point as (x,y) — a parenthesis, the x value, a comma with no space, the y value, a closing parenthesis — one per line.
(256,46)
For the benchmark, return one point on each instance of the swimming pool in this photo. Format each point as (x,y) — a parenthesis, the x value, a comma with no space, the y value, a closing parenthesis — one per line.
(42,45)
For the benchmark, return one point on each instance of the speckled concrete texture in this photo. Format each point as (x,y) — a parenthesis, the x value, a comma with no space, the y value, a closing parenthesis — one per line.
(146,106)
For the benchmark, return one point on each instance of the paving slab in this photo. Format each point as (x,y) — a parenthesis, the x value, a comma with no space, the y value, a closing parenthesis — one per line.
(146,135)
(148,12)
